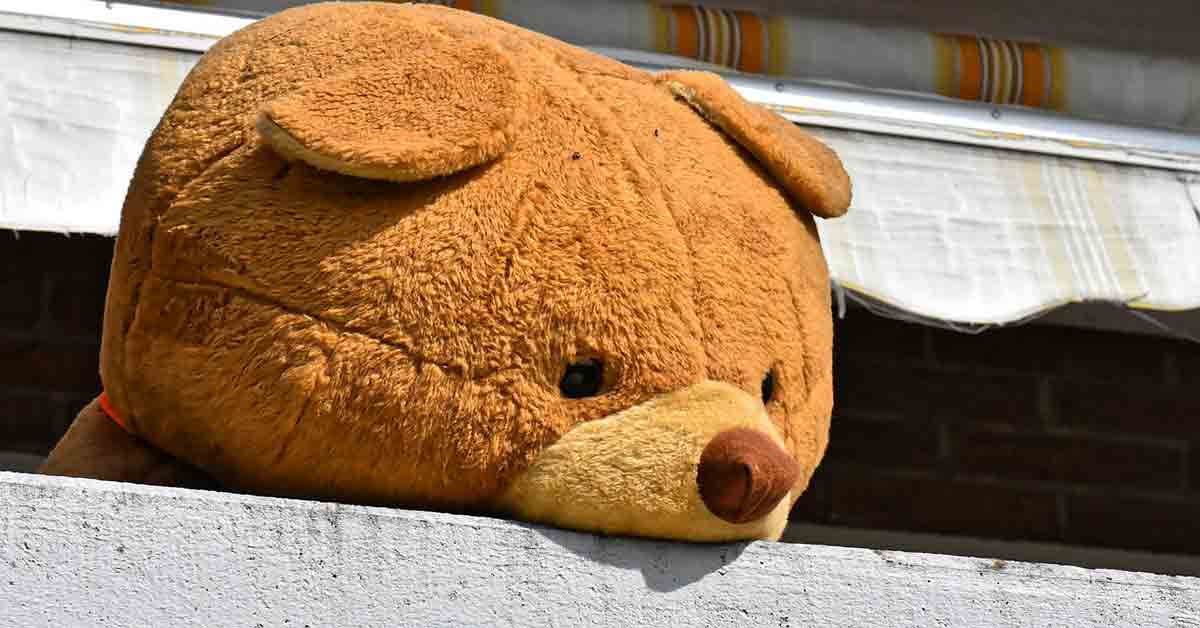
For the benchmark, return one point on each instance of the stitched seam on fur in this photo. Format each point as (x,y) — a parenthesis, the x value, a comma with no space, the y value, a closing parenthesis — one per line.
(135,292)
(295,429)
(688,95)
(419,360)
(798,312)
(152,230)
(291,435)
(169,200)
(708,359)
(804,366)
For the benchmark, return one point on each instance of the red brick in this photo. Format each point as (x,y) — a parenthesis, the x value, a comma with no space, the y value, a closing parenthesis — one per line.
(813,504)
(30,251)
(1187,365)
(17,252)
(77,268)
(77,306)
(49,366)
(29,423)
(862,387)
(986,397)
(20,301)
(889,389)
(1139,524)
(864,334)
(1121,357)
(895,444)
(1193,464)
(1132,409)
(1049,349)
(1027,349)
(1065,458)
(928,504)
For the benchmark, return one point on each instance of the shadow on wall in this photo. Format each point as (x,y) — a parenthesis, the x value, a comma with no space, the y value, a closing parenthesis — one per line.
(664,566)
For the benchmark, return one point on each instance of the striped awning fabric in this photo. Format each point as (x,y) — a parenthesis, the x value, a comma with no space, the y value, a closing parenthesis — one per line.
(967,67)
(1106,84)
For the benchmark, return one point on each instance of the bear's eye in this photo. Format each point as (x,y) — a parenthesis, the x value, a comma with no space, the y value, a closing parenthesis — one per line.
(768,387)
(582,379)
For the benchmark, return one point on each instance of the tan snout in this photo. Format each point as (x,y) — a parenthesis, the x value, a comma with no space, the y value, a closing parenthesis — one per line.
(744,475)
(700,464)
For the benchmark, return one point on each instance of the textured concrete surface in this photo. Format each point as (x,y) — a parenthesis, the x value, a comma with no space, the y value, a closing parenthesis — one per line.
(1089,557)
(75,553)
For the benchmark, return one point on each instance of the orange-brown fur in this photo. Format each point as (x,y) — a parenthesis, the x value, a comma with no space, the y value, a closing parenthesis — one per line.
(394,332)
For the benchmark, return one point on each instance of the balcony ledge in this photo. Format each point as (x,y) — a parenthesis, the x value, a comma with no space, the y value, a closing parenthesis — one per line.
(81,552)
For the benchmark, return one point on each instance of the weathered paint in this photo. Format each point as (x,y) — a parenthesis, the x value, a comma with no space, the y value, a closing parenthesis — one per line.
(75,552)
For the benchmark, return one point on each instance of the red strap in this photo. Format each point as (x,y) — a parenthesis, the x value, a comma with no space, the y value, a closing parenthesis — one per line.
(106,406)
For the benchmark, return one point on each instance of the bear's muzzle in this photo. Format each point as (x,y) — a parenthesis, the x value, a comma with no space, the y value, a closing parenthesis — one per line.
(704,463)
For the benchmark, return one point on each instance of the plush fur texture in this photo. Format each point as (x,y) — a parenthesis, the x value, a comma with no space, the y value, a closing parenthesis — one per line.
(95,443)
(636,472)
(366,240)
(432,111)
(807,169)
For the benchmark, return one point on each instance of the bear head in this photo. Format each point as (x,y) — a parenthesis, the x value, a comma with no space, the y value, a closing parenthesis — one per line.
(406,255)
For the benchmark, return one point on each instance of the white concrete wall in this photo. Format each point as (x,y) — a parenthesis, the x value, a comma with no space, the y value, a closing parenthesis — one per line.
(85,553)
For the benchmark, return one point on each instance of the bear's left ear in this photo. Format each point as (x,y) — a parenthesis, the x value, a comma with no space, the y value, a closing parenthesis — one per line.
(808,170)
(413,117)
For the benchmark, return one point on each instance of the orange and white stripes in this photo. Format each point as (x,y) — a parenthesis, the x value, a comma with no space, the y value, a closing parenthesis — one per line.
(1000,71)
(737,39)
(963,67)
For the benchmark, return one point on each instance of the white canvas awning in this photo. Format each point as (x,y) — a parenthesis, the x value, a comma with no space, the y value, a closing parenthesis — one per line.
(963,213)
(963,234)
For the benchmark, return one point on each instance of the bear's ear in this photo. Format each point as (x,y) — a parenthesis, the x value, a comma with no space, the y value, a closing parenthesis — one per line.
(808,170)
(410,118)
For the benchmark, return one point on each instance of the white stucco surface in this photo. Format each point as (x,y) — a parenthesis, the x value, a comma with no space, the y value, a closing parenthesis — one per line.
(85,553)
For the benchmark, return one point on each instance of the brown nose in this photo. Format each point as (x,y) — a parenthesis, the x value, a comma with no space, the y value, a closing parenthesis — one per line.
(743,475)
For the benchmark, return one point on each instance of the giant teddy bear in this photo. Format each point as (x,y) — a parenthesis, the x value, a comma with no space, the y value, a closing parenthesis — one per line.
(406,255)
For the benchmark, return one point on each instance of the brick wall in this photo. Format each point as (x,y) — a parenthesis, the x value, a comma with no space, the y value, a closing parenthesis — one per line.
(1034,433)
(51,303)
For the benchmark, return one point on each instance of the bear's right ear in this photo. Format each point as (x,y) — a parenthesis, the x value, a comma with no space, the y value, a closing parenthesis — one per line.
(808,170)
(415,117)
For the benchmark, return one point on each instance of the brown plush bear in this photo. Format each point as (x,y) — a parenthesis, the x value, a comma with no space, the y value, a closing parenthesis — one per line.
(406,255)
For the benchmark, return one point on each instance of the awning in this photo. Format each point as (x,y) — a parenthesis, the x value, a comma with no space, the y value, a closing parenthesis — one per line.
(1082,79)
(964,213)
(983,236)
